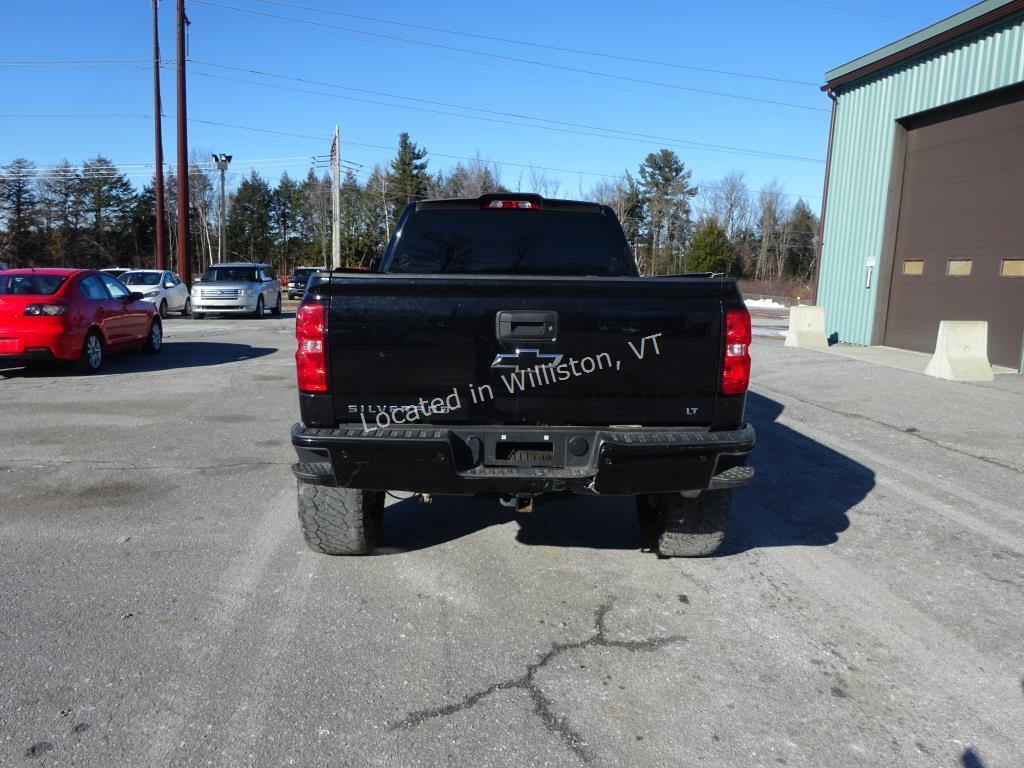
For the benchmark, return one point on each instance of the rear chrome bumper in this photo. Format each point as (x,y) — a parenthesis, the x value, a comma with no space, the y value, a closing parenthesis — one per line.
(469,460)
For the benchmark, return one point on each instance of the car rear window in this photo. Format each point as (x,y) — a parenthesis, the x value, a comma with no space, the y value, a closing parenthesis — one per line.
(30,285)
(140,278)
(511,242)
(231,274)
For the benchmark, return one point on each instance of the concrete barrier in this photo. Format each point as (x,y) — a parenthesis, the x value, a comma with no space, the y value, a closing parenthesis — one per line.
(961,351)
(806,328)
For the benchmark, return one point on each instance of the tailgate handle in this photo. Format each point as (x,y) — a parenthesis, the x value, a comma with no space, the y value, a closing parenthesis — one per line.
(526,325)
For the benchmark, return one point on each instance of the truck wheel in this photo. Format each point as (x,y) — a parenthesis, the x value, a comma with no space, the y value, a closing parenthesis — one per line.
(340,521)
(677,526)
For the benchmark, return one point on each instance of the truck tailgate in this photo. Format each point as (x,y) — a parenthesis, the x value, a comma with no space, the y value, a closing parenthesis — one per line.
(526,350)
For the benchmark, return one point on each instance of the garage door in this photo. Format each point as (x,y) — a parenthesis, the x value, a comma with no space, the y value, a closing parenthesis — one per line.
(960,237)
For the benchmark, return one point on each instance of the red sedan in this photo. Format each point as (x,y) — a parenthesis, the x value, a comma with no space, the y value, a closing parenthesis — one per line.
(74,315)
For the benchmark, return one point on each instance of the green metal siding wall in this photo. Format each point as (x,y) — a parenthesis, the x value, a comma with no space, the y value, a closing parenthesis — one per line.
(862,152)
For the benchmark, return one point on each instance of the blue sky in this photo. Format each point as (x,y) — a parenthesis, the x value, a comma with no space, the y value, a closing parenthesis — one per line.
(762,127)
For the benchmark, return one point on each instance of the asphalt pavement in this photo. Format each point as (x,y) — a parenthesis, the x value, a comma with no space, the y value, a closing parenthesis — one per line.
(159,607)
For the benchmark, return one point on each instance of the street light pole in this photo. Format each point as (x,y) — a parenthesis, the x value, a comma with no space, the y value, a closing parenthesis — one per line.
(222,162)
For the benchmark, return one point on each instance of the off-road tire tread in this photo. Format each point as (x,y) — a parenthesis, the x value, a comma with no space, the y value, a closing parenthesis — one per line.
(677,526)
(339,521)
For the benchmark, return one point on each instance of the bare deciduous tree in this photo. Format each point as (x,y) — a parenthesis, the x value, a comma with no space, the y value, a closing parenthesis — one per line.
(775,230)
(204,199)
(727,201)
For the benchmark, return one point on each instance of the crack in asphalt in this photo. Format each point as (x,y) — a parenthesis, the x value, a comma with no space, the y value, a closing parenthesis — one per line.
(543,707)
(915,433)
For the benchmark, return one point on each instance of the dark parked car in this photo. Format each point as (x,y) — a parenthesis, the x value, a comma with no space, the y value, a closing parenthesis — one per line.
(300,277)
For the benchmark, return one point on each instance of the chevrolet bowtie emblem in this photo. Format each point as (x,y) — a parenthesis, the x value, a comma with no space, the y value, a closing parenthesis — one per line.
(522,359)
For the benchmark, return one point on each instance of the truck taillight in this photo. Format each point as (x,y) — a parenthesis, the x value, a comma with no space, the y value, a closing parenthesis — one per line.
(311,357)
(736,363)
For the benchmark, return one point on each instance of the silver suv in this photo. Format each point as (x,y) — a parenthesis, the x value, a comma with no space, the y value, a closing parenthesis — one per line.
(236,288)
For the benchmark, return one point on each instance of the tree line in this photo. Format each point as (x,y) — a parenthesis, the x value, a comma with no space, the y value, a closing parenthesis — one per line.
(92,215)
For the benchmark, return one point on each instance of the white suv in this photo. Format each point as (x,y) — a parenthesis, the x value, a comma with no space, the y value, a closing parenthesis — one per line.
(236,289)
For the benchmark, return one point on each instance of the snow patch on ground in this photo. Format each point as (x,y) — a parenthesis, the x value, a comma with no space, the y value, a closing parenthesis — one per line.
(764,304)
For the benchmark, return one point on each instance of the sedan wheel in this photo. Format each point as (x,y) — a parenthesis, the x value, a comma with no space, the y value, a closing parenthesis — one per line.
(186,311)
(155,340)
(277,307)
(163,308)
(92,354)
(259,308)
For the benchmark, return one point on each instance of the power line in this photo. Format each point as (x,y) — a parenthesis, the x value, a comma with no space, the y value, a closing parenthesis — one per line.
(689,143)
(73,114)
(516,59)
(320,139)
(62,63)
(625,135)
(580,51)
(841,10)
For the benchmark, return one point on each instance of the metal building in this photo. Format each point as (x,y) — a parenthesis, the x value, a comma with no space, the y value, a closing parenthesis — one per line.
(923,210)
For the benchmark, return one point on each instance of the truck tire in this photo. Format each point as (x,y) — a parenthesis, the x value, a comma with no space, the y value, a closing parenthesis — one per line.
(677,526)
(340,521)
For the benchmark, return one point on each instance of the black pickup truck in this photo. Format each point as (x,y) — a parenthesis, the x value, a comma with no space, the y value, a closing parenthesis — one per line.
(507,347)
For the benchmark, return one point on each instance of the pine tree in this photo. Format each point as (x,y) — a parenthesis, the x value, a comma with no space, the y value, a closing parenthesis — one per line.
(710,249)
(107,200)
(249,220)
(19,212)
(284,209)
(60,202)
(667,195)
(803,242)
(410,179)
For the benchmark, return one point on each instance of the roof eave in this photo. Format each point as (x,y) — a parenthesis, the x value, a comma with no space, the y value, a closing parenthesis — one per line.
(971,20)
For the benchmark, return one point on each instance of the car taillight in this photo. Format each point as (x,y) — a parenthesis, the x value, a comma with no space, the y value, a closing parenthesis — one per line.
(736,363)
(311,357)
(526,205)
(44,310)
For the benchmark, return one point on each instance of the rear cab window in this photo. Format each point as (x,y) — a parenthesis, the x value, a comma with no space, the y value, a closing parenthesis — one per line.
(511,242)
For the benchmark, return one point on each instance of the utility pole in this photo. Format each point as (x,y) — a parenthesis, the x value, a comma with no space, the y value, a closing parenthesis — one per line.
(184,257)
(222,162)
(159,139)
(336,199)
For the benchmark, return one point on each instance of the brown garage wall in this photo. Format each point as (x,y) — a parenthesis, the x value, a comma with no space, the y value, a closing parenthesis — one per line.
(961,207)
